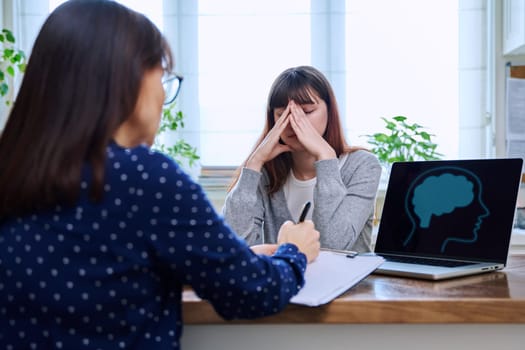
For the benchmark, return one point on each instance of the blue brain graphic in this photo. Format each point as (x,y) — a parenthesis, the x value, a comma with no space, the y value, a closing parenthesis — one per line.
(438,195)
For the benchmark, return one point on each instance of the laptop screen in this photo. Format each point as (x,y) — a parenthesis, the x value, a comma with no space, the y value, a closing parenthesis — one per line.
(462,209)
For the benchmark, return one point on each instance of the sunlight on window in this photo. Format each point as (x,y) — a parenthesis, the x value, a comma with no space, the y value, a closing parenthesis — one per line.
(402,59)
(151,8)
(243,46)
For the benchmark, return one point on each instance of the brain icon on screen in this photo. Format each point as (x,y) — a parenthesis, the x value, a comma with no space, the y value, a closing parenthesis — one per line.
(441,191)
(438,195)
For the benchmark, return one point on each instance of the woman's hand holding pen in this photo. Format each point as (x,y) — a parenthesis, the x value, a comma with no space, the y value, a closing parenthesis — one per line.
(306,239)
(303,235)
(270,146)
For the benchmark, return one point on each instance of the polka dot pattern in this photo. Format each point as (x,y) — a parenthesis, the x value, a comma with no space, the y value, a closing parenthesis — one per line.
(110,275)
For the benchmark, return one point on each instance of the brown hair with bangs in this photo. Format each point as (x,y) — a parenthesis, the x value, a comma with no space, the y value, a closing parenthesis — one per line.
(299,84)
(81,83)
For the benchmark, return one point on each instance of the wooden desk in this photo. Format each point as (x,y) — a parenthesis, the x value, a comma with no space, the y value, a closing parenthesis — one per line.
(473,306)
(495,297)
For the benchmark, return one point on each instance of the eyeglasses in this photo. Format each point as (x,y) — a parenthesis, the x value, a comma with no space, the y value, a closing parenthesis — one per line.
(171,83)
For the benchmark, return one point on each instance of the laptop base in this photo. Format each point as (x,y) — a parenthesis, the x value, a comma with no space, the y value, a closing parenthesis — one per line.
(434,273)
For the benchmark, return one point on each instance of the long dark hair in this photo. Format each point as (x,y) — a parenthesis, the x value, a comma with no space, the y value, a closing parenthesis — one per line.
(298,84)
(81,82)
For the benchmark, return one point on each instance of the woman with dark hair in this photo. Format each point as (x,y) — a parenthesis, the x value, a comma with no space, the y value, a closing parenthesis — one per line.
(98,233)
(302,156)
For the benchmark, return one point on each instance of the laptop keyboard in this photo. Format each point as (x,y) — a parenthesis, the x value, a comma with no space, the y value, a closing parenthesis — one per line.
(425,261)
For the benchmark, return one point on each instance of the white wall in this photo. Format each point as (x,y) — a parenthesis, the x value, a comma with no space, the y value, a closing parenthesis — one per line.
(499,70)
(354,336)
(474,127)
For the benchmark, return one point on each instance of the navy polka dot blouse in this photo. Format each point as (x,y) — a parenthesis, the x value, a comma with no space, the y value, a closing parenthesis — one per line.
(110,275)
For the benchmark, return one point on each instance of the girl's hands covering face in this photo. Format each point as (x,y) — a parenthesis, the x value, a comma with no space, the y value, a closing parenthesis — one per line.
(307,125)
(270,146)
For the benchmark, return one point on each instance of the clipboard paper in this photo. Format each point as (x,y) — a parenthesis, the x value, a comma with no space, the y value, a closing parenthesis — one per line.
(332,274)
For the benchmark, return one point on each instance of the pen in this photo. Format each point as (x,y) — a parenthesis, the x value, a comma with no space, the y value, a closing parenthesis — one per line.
(306,207)
(348,253)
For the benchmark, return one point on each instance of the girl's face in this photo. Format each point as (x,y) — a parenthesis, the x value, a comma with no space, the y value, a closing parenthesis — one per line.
(317,114)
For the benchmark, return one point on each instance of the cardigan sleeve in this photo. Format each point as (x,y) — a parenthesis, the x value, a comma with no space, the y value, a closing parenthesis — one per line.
(344,199)
(243,208)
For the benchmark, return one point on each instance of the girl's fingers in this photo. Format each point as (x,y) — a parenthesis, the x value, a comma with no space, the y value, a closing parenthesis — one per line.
(284,113)
(270,146)
(308,136)
(283,119)
(280,124)
(298,119)
(296,110)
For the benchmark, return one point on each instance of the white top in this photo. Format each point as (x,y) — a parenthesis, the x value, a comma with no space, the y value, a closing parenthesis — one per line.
(297,192)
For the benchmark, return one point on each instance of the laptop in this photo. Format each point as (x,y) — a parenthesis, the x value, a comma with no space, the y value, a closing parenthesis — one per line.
(448,218)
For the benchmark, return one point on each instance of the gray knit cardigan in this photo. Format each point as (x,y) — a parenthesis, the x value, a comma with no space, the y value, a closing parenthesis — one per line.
(344,198)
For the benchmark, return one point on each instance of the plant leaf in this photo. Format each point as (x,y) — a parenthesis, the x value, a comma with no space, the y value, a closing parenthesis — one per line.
(9,36)
(3,88)
(10,70)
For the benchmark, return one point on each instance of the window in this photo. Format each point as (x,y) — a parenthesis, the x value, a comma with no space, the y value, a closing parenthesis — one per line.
(402,59)
(151,8)
(243,46)
(399,53)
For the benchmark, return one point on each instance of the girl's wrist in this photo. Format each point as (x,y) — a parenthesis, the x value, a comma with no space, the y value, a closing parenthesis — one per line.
(327,155)
(253,164)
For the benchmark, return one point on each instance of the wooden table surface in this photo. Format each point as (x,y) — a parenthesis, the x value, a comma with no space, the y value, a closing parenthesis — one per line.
(494,297)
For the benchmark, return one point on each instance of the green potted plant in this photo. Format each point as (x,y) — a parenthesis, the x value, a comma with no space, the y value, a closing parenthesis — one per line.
(12,60)
(171,122)
(403,142)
